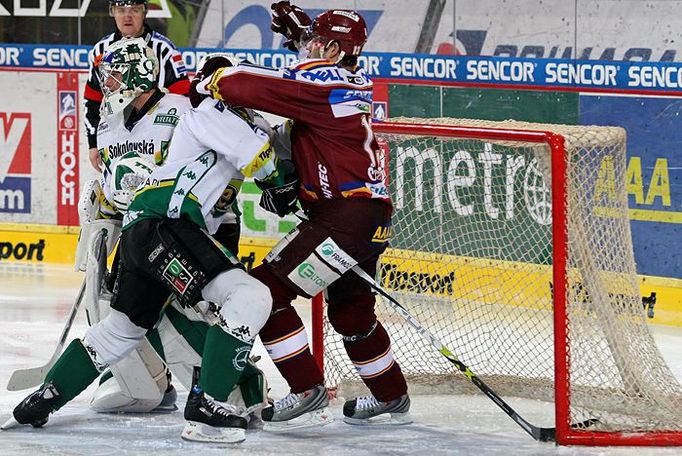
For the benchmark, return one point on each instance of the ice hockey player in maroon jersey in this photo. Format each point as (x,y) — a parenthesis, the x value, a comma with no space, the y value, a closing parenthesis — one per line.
(343,191)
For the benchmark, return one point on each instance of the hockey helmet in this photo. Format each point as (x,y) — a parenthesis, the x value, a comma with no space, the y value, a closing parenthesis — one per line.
(346,27)
(113,3)
(127,69)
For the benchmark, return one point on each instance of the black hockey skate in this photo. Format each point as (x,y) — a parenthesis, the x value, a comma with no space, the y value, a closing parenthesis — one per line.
(208,421)
(368,410)
(36,408)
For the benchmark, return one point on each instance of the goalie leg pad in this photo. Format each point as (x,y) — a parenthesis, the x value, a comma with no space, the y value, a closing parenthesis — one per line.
(88,208)
(97,298)
(114,337)
(138,384)
(182,341)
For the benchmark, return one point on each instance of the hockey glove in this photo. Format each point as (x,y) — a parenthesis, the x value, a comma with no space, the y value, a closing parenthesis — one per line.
(291,21)
(207,69)
(281,194)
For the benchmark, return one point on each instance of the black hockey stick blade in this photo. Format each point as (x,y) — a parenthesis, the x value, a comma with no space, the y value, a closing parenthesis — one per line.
(549,434)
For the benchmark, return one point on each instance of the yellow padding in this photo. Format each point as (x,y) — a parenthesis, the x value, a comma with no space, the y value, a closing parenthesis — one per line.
(31,243)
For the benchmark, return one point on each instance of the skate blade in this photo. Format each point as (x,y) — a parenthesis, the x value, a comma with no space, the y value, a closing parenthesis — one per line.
(383,419)
(316,418)
(199,432)
(9,424)
(165,409)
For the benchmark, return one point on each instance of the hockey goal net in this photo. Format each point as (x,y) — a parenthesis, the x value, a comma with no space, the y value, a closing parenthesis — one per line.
(511,243)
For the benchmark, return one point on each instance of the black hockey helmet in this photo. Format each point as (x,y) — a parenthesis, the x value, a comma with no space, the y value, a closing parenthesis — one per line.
(127,2)
(113,3)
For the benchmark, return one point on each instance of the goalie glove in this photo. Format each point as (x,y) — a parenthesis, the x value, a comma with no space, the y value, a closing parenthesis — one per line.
(291,21)
(281,193)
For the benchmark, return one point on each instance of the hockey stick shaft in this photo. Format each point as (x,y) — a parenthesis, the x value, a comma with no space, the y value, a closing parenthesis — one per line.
(28,378)
(538,433)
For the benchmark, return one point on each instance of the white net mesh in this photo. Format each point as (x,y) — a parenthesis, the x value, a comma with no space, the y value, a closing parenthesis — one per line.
(471,258)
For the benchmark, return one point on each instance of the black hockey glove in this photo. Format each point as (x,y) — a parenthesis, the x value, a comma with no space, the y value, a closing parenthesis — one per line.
(291,21)
(207,69)
(281,194)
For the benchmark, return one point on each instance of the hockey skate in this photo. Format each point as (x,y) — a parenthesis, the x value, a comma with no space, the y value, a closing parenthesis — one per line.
(298,411)
(368,410)
(167,404)
(35,409)
(208,421)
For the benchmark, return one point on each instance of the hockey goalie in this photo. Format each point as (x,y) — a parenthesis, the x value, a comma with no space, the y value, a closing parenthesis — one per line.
(141,116)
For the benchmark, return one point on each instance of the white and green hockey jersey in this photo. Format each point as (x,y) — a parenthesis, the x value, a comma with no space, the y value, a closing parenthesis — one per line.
(150,136)
(214,147)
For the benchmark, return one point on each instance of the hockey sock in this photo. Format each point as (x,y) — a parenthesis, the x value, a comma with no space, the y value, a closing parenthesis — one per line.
(251,385)
(194,332)
(285,338)
(374,362)
(224,360)
(155,341)
(72,373)
(286,341)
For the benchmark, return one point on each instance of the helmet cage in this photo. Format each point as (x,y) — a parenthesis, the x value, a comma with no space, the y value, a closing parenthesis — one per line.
(128,69)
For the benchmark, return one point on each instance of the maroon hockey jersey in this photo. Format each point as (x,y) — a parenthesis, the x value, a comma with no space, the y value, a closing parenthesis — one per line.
(333,146)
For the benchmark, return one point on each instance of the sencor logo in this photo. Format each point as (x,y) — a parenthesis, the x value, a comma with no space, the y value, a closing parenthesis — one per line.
(15,162)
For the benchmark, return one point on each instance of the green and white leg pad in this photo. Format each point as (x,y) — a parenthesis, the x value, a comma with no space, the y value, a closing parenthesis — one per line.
(138,384)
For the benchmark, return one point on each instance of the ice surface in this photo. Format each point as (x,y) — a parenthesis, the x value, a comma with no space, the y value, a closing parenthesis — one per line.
(35,299)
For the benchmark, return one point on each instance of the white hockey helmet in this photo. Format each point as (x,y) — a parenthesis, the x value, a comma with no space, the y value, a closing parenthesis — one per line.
(129,172)
(127,69)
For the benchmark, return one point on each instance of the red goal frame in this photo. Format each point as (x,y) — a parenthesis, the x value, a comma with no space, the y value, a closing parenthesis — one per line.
(565,435)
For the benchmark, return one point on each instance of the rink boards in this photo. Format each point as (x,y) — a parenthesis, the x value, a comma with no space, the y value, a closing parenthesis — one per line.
(401,270)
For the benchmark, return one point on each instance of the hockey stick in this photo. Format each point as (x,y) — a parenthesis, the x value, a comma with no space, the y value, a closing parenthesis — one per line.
(28,378)
(538,433)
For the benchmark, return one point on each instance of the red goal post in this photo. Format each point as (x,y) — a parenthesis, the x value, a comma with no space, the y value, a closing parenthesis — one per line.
(539,301)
